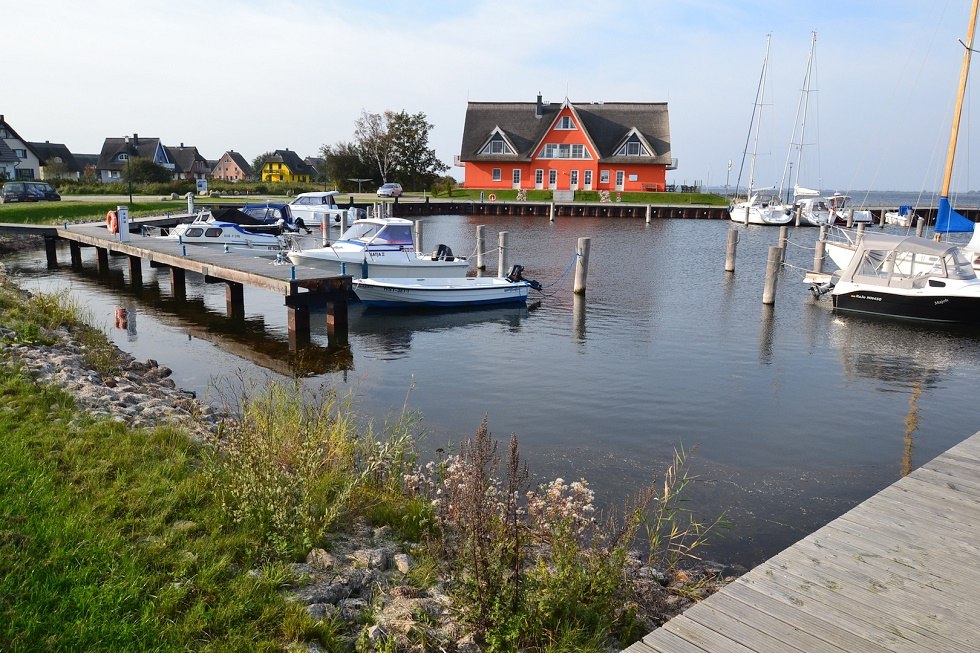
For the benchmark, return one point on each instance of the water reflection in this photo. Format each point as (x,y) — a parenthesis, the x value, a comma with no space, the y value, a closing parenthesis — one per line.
(766,333)
(387,334)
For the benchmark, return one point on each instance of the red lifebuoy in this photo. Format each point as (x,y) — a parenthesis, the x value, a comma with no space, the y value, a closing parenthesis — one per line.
(492,198)
(112,222)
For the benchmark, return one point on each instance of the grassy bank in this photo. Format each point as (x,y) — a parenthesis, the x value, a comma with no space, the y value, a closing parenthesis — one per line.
(122,539)
(75,211)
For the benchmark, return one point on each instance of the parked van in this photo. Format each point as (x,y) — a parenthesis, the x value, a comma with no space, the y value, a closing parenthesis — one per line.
(28,191)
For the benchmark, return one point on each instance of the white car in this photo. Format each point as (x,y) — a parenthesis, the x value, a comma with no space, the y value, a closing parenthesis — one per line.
(311,207)
(390,190)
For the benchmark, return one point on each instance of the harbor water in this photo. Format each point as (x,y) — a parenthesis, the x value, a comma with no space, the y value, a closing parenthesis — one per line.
(791,414)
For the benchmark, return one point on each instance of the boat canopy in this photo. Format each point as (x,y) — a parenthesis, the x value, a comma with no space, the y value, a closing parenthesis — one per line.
(907,261)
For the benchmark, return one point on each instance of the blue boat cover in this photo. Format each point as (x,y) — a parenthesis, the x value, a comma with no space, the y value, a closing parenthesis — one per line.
(949,221)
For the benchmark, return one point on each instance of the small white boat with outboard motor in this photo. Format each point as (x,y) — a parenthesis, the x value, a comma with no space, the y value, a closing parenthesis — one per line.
(445,292)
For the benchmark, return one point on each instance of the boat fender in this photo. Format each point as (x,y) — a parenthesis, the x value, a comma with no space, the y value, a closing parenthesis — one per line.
(112,222)
(443,253)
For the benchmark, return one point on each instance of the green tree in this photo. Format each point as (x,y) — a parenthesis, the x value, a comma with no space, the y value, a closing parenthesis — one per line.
(259,161)
(140,170)
(344,162)
(416,164)
(397,145)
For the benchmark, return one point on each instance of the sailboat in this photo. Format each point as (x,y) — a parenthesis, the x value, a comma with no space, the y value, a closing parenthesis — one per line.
(911,277)
(759,207)
(813,209)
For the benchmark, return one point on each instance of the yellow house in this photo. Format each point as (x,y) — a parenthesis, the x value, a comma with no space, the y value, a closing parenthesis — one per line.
(286,166)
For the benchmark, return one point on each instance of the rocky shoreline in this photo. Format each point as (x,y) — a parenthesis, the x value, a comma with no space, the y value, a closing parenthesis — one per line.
(366,568)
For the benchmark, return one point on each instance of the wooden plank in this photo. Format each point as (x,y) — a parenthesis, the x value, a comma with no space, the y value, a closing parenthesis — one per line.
(958,502)
(746,632)
(665,641)
(706,638)
(943,479)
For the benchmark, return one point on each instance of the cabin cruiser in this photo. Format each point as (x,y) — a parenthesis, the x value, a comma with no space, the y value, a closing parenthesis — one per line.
(908,277)
(760,209)
(233,231)
(381,247)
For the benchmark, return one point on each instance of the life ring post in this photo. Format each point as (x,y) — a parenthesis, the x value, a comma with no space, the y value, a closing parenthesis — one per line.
(122,223)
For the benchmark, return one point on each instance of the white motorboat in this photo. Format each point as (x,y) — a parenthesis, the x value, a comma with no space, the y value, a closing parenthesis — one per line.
(381,247)
(909,277)
(446,292)
(206,230)
(903,217)
(831,210)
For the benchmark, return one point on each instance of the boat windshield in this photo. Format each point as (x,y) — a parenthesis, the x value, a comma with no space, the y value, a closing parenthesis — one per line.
(391,234)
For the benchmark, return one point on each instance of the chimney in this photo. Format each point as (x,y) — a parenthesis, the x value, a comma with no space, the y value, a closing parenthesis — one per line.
(538,111)
(136,140)
(181,146)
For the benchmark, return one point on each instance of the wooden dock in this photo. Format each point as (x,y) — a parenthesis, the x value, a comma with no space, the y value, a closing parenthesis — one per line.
(897,573)
(301,287)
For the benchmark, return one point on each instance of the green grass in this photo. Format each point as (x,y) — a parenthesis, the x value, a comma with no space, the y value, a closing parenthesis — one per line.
(471,194)
(75,211)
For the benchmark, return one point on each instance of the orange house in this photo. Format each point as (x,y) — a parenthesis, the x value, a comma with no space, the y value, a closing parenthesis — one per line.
(614,146)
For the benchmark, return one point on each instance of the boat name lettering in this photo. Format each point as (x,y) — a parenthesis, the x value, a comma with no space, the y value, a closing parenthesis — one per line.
(874,299)
(395,289)
(945,300)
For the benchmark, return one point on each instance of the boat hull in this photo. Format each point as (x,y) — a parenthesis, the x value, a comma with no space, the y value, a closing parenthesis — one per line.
(457,292)
(380,264)
(923,307)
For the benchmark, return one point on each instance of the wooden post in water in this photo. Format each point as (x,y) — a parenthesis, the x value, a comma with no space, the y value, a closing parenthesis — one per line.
(323,230)
(502,254)
(799,214)
(418,236)
(850,218)
(480,263)
(649,213)
(745,220)
(551,212)
(818,255)
(582,265)
(783,239)
(772,274)
(730,250)
(920,224)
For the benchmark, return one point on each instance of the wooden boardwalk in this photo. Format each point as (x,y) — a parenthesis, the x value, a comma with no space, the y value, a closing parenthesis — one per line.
(300,286)
(897,573)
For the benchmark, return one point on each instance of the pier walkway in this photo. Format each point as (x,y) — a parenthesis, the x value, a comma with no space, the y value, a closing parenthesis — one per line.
(301,287)
(897,573)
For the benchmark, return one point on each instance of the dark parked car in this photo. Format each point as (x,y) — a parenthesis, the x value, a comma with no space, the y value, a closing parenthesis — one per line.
(28,191)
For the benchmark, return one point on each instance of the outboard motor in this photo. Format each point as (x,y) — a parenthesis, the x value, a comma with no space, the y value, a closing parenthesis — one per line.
(443,253)
(517,274)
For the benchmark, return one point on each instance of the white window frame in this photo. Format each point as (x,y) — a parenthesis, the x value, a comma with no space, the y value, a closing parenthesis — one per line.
(552,179)
(603,176)
(515,177)
(587,179)
(539,178)
(573,179)
(620,179)
(495,174)
(565,123)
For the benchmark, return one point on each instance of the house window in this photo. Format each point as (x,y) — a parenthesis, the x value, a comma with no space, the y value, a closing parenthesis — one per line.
(496,146)
(516,177)
(574,179)
(21,154)
(538,177)
(565,151)
(4,133)
(552,179)
(603,176)
(122,157)
(496,174)
(588,179)
(25,174)
(565,123)
(632,148)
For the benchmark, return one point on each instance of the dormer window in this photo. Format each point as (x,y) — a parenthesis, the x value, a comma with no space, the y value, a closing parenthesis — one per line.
(565,123)
(632,148)
(122,157)
(497,146)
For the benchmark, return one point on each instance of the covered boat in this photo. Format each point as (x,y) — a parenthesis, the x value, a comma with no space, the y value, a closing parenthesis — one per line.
(909,277)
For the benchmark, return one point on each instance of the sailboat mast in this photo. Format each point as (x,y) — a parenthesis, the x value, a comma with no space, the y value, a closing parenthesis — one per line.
(957,112)
(806,104)
(760,98)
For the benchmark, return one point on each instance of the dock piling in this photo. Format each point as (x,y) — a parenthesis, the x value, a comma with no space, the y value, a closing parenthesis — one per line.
(502,254)
(582,265)
(783,239)
(730,250)
(418,236)
(772,274)
(480,264)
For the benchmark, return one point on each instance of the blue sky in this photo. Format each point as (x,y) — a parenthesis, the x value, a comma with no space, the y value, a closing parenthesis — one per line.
(256,76)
